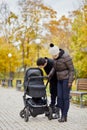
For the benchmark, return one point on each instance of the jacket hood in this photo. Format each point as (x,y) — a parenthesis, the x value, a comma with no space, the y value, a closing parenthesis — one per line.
(60,54)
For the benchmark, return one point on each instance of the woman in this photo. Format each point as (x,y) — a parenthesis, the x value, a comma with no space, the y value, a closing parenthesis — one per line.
(64,68)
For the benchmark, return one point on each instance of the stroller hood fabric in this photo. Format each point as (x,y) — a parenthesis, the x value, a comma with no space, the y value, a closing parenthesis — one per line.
(34,87)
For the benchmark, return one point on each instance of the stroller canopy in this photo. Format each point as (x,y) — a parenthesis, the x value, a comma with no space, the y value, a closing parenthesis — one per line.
(34,86)
(34,72)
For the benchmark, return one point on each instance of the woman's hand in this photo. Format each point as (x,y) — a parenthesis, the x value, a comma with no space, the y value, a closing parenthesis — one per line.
(69,85)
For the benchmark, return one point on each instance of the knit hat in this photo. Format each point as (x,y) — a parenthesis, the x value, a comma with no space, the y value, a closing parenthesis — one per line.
(53,50)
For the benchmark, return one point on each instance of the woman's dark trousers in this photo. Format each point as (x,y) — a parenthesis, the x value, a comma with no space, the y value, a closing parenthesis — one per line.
(63,97)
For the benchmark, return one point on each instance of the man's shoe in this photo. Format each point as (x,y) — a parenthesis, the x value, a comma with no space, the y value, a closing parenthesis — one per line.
(53,108)
(47,114)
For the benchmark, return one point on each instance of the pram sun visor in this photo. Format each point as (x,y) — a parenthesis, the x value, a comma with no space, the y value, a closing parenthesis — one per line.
(36,77)
(36,86)
(34,72)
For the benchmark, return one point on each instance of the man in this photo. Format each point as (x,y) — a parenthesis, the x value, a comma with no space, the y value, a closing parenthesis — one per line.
(64,68)
(47,65)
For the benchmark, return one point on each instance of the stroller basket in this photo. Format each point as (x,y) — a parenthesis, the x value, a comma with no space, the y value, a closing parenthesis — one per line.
(39,104)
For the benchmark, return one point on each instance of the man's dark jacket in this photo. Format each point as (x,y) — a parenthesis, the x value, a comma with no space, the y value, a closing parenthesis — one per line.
(48,68)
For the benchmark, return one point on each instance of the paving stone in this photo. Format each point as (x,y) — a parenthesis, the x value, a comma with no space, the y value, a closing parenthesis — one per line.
(11,103)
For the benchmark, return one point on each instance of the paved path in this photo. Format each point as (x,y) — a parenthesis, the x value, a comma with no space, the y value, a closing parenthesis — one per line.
(11,103)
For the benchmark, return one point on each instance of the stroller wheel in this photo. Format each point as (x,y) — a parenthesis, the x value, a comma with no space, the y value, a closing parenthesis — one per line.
(57,111)
(22,113)
(26,115)
(50,113)
(47,114)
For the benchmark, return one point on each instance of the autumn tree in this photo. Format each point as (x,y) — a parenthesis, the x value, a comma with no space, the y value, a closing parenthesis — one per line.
(8,23)
(60,32)
(79,41)
(20,32)
(33,16)
(8,27)
(8,64)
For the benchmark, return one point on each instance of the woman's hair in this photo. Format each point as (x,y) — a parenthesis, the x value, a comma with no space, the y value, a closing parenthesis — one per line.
(41,61)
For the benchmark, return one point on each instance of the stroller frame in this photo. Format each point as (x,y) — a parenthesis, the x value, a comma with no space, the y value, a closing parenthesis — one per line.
(33,108)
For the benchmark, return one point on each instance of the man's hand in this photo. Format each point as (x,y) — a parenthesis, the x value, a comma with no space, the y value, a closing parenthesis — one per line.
(48,77)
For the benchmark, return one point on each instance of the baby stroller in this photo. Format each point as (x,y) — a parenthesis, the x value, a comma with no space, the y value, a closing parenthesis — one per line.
(36,102)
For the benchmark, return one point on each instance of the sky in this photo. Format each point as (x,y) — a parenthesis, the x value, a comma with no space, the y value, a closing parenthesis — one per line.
(63,7)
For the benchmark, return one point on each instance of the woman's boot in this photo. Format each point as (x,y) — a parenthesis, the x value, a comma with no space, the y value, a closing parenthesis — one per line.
(63,119)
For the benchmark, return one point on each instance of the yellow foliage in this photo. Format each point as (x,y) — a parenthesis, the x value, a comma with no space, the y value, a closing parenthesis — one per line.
(5,60)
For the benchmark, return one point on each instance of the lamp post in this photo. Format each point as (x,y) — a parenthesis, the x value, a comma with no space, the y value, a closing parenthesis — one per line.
(10,55)
(38,42)
(10,81)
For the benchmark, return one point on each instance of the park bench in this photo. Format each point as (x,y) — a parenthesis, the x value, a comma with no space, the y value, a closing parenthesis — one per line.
(81,89)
